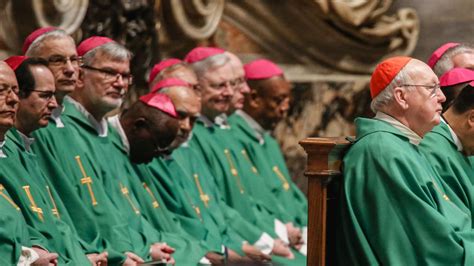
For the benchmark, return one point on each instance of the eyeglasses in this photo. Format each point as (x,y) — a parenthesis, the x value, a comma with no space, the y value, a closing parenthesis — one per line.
(59,60)
(6,90)
(223,85)
(112,75)
(45,95)
(433,89)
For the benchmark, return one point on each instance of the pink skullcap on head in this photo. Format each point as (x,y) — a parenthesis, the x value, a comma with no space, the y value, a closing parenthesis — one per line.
(35,35)
(170,82)
(436,55)
(262,69)
(385,72)
(157,68)
(455,76)
(15,61)
(201,53)
(91,43)
(161,102)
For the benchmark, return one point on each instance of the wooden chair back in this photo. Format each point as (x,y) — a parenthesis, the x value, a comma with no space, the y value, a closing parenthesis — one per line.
(324,173)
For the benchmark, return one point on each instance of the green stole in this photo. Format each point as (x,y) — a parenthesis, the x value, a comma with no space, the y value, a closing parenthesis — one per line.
(188,250)
(395,210)
(28,188)
(451,165)
(266,155)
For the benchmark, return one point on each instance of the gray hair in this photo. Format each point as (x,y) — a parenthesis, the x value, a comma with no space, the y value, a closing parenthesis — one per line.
(212,62)
(114,50)
(445,63)
(385,97)
(35,46)
(172,68)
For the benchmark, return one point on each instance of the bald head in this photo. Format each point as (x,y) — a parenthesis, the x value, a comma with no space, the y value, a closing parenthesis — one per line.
(149,131)
(8,98)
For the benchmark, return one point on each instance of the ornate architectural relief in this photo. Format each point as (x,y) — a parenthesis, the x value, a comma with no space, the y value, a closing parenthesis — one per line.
(328,48)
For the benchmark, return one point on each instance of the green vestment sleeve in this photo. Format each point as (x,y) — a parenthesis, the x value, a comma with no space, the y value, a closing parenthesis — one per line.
(395,210)
(13,229)
(452,166)
(188,250)
(67,168)
(30,194)
(233,187)
(267,158)
(194,166)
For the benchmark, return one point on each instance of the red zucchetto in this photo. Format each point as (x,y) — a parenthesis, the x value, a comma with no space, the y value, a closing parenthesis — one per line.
(91,43)
(15,61)
(161,102)
(455,76)
(385,72)
(35,35)
(436,55)
(261,69)
(201,53)
(157,68)
(170,82)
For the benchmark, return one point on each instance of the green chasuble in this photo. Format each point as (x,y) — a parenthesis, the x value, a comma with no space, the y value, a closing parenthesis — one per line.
(64,161)
(395,210)
(29,191)
(200,181)
(105,165)
(13,229)
(452,166)
(234,187)
(264,152)
(83,159)
(188,250)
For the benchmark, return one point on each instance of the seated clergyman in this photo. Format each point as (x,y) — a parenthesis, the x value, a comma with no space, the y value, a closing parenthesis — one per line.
(395,209)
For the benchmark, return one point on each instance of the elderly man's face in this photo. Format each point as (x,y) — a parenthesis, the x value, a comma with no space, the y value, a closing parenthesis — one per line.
(63,62)
(273,101)
(424,101)
(188,107)
(8,97)
(188,75)
(106,81)
(217,90)
(464,60)
(35,110)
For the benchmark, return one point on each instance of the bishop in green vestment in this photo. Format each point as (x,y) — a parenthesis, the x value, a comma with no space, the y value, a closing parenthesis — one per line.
(395,209)
(449,144)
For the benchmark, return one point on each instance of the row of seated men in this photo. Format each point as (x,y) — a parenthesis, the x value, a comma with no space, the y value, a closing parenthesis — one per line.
(189,174)
(408,189)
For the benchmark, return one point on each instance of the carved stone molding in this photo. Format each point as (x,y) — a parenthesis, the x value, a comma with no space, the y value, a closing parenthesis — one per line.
(20,17)
(347,36)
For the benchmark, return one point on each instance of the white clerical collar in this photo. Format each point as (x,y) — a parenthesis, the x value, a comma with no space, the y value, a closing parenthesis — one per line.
(220,121)
(258,129)
(100,127)
(115,123)
(456,139)
(56,116)
(26,140)
(414,138)
(2,143)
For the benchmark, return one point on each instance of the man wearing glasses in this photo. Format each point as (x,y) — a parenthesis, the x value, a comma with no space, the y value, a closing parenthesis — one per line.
(395,209)
(41,206)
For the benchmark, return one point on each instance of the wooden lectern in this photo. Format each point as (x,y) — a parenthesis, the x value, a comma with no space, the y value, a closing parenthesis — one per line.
(323,170)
